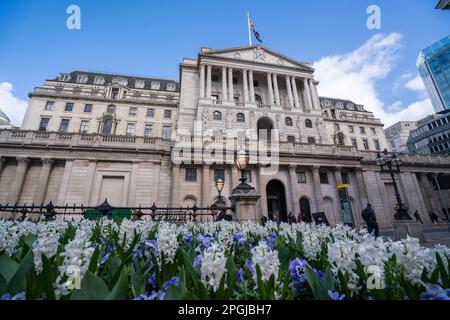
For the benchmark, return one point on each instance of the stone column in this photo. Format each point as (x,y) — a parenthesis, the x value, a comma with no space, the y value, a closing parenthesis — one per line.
(208,81)
(175,185)
(313,94)
(262,182)
(307,94)
(338,178)
(252,86)
(269,86)
(224,84)
(294,89)
(39,197)
(2,161)
(338,175)
(205,187)
(230,85)
(245,85)
(19,177)
(361,188)
(289,90)
(317,188)
(202,81)
(277,91)
(294,189)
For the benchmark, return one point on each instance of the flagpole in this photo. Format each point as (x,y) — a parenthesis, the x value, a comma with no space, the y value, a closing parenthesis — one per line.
(249,31)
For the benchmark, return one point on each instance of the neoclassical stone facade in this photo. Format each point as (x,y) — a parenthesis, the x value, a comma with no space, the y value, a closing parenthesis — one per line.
(136,141)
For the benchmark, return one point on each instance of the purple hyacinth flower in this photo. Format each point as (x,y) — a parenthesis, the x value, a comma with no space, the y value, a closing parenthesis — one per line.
(335,295)
(197,261)
(175,281)
(240,275)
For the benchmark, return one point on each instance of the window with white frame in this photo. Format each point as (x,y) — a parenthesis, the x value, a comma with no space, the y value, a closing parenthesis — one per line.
(44,124)
(64,126)
(301,177)
(50,105)
(121,81)
(148,130)
(139,84)
(82,78)
(99,80)
(84,126)
(155,85)
(131,127)
(171,86)
(166,132)
(133,111)
(65,77)
(150,113)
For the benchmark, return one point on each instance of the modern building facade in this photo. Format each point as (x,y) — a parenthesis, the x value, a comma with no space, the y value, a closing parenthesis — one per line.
(432,135)
(434,68)
(397,135)
(137,141)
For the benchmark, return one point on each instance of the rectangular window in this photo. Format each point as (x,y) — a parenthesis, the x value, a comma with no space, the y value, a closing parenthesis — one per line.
(351,129)
(168,114)
(82,79)
(64,77)
(255,83)
(150,113)
(166,133)
(133,111)
(64,127)
(376,144)
(301,177)
(148,131)
(191,174)
(69,107)
(44,124)
(171,86)
(372,131)
(155,85)
(345,178)
(115,93)
(323,177)
(248,175)
(354,143)
(215,78)
(84,126)
(111,109)
(219,174)
(311,140)
(214,98)
(88,108)
(291,139)
(365,144)
(131,129)
(362,130)
(99,80)
(50,105)
(139,84)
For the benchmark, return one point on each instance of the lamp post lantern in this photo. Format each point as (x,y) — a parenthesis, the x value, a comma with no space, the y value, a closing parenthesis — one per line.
(219,186)
(393,163)
(241,162)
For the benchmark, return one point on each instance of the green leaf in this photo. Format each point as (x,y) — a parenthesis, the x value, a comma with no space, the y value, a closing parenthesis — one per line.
(3,285)
(8,268)
(18,283)
(120,290)
(30,240)
(92,288)
(93,264)
(48,278)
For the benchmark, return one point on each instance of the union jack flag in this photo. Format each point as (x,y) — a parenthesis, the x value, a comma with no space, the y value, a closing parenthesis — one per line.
(257,36)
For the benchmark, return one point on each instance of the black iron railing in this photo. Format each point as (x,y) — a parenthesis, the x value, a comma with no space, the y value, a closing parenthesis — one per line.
(49,212)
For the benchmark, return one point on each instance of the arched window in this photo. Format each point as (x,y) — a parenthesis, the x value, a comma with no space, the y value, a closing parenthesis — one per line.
(308,123)
(217,115)
(258,99)
(289,122)
(107,126)
(240,117)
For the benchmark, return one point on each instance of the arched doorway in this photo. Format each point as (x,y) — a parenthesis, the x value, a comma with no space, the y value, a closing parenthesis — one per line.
(305,209)
(276,201)
(265,127)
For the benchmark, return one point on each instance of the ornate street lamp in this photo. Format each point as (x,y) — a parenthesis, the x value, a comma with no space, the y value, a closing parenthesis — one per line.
(219,186)
(393,162)
(241,163)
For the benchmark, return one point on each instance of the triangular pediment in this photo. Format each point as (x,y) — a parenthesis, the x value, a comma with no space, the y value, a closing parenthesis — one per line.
(258,54)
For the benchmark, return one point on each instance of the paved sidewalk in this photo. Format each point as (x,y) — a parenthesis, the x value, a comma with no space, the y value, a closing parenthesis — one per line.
(434,234)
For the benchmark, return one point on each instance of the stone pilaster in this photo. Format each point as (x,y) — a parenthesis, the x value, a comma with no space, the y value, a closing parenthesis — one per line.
(307,95)
(294,89)
(294,189)
(19,177)
(208,81)
(230,85)
(276,89)
(289,90)
(202,81)
(252,86)
(175,186)
(44,176)
(245,85)
(206,201)
(269,86)
(224,84)
(317,188)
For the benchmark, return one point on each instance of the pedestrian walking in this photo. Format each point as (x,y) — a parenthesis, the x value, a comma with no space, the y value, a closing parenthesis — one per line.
(417,216)
(371,220)
(291,218)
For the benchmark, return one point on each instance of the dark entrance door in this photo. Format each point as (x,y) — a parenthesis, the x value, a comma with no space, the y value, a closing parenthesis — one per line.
(305,209)
(276,201)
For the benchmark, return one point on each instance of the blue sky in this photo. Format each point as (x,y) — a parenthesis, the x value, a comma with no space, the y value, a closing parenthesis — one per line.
(151,37)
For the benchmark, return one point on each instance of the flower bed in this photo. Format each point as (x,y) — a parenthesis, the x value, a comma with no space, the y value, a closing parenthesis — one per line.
(149,261)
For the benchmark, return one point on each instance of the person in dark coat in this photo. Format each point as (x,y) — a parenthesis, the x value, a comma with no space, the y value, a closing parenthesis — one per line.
(264,221)
(417,216)
(371,220)
(291,218)
(433,216)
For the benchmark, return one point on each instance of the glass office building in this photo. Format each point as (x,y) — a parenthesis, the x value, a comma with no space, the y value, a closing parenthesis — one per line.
(434,68)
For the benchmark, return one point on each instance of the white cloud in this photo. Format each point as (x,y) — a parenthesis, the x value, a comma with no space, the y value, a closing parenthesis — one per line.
(13,107)
(415,84)
(355,76)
